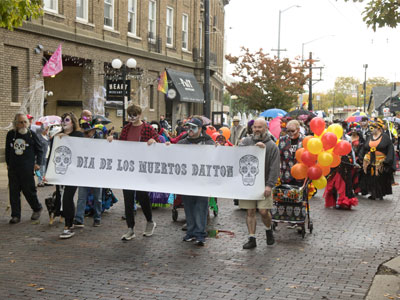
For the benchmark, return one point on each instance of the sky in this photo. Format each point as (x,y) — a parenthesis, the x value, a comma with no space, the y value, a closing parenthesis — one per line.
(332,30)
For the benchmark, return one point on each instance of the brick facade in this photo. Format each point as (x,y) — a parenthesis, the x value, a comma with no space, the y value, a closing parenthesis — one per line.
(88,45)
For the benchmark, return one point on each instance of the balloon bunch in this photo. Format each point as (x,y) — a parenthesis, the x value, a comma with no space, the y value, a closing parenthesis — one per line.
(214,133)
(320,153)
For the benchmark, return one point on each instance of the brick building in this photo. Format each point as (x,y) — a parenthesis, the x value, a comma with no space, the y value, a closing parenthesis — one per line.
(158,34)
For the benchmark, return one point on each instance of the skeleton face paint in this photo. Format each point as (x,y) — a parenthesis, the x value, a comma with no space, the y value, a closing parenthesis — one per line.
(67,124)
(133,119)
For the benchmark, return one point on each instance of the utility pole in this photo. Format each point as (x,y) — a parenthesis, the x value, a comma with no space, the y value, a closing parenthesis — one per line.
(207,103)
(310,105)
(365,84)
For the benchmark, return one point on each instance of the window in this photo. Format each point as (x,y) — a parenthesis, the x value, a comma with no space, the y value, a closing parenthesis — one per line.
(132,13)
(82,9)
(152,20)
(151,97)
(109,13)
(170,26)
(201,40)
(51,5)
(185,32)
(14,84)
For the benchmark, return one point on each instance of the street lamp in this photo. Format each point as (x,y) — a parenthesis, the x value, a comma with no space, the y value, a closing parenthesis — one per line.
(117,64)
(279,29)
(302,45)
(233,97)
(365,84)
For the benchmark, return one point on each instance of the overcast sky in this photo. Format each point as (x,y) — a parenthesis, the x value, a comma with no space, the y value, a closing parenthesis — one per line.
(344,42)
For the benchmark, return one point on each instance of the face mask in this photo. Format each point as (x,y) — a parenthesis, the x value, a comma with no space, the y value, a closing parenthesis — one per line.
(194,129)
(23,130)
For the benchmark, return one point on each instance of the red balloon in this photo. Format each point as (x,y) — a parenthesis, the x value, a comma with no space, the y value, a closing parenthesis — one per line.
(299,171)
(210,130)
(308,158)
(214,135)
(329,140)
(342,148)
(317,125)
(314,172)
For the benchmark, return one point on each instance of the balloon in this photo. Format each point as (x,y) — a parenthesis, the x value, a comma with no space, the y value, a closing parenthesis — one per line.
(308,158)
(325,158)
(215,135)
(329,140)
(314,145)
(225,131)
(342,148)
(317,125)
(325,170)
(210,130)
(299,152)
(319,136)
(336,161)
(305,141)
(314,172)
(336,129)
(320,183)
(299,171)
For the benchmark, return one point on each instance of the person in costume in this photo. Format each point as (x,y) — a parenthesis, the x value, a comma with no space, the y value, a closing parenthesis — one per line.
(379,162)
(357,142)
(339,190)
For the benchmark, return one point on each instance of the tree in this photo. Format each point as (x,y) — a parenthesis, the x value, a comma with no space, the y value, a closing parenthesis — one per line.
(266,82)
(14,12)
(381,13)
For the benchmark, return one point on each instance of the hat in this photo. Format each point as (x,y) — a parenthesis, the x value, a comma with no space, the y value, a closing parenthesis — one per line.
(236,119)
(86,126)
(29,116)
(195,121)
(378,123)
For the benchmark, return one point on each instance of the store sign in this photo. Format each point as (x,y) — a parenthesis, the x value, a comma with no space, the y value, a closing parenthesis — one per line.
(115,89)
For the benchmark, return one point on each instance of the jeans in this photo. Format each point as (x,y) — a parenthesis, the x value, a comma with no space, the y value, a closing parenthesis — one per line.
(42,172)
(83,193)
(196,211)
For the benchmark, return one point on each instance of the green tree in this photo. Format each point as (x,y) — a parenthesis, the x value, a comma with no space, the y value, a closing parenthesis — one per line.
(14,12)
(381,13)
(266,82)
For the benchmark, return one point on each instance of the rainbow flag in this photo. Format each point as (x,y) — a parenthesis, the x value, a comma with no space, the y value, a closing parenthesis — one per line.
(163,83)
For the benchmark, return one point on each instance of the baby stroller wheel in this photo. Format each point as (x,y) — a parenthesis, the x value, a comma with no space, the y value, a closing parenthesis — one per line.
(174,214)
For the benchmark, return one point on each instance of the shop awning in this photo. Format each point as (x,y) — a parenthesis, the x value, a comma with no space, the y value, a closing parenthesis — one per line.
(186,86)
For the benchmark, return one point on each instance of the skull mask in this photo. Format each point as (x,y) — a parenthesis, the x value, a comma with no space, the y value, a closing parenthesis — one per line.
(281,210)
(19,146)
(297,211)
(62,159)
(289,210)
(248,168)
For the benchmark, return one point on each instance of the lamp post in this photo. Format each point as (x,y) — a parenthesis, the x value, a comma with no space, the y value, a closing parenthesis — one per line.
(117,64)
(233,97)
(365,84)
(279,29)
(319,38)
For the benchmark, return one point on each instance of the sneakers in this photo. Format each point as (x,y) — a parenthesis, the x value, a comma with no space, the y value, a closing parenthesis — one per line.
(78,224)
(251,243)
(149,228)
(270,237)
(200,243)
(189,238)
(129,235)
(67,233)
(36,215)
(15,220)
(96,223)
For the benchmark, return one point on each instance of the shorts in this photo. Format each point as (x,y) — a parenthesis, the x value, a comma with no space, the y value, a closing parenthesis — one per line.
(267,203)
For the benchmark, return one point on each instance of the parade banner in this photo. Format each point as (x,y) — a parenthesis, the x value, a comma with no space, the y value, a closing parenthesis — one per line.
(203,170)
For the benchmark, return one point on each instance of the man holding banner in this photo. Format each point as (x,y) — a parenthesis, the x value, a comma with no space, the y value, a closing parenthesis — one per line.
(262,139)
(196,207)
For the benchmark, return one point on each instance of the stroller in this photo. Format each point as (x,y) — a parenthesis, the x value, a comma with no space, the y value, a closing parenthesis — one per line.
(291,206)
(212,204)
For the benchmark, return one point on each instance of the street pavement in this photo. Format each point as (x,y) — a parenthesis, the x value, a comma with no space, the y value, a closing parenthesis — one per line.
(339,260)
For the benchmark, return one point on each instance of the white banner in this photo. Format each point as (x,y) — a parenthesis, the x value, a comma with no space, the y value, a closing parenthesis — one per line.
(203,170)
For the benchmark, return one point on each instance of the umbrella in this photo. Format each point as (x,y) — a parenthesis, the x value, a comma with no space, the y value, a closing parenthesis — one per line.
(360,113)
(299,112)
(275,127)
(273,113)
(206,121)
(98,119)
(48,121)
(353,119)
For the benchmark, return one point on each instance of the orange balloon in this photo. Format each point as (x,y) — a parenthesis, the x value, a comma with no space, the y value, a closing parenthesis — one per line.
(336,160)
(305,141)
(225,131)
(299,152)
(325,170)
(299,171)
